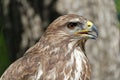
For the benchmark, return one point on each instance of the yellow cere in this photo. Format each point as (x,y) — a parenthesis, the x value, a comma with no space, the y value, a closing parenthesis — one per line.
(89,23)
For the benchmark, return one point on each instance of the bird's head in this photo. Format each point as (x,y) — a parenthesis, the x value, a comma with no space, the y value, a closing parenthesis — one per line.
(69,30)
(77,27)
(82,29)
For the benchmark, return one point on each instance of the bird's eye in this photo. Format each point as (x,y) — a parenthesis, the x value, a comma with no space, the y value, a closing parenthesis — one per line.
(72,25)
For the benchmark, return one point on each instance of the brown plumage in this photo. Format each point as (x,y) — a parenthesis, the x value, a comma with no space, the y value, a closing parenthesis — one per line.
(59,54)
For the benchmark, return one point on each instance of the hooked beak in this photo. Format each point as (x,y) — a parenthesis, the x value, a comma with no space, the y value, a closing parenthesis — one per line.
(89,32)
(93,33)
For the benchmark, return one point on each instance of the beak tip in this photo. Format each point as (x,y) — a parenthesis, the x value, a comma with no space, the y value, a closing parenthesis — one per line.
(94,28)
(94,32)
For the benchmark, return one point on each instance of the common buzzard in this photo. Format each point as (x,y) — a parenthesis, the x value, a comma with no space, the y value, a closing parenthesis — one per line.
(59,54)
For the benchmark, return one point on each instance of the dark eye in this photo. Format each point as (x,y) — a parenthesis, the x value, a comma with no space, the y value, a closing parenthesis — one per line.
(72,25)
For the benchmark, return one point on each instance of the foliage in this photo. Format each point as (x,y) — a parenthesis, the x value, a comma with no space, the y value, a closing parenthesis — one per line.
(3,55)
(117,2)
(4,60)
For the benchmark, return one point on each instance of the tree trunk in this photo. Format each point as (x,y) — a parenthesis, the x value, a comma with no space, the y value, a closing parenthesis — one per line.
(103,53)
(25,21)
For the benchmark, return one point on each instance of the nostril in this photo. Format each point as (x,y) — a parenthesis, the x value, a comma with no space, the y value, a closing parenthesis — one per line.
(89,25)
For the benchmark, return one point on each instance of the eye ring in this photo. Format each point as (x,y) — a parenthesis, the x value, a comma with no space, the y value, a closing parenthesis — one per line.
(72,25)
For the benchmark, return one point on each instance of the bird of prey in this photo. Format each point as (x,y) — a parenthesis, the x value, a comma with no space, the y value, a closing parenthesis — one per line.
(59,54)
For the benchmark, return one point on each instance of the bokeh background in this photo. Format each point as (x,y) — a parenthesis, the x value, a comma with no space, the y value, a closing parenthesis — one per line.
(22,22)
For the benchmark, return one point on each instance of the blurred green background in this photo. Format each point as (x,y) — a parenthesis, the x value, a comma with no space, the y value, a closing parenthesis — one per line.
(117,2)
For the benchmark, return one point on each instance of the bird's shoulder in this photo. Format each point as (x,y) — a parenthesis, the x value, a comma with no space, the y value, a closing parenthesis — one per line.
(24,68)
